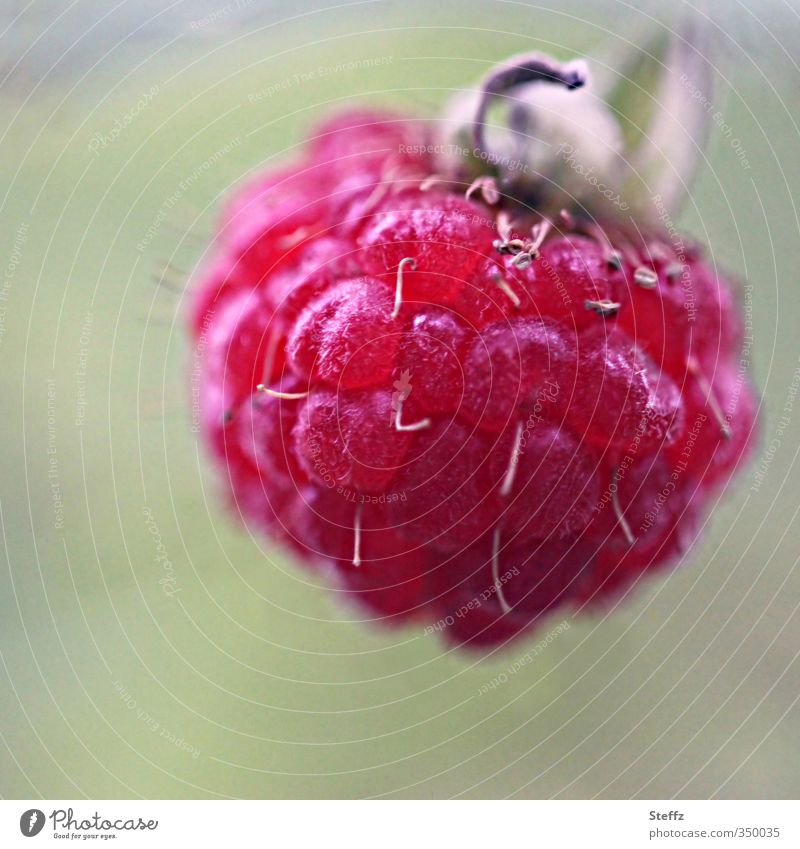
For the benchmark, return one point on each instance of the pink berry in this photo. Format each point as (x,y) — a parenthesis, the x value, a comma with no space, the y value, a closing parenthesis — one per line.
(431,371)
(621,401)
(449,496)
(511,364)
(346,337)
(459,406)
(349,440)
(444,237)
(551,482)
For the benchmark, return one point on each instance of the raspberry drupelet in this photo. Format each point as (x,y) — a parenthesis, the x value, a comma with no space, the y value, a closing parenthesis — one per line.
(465,397)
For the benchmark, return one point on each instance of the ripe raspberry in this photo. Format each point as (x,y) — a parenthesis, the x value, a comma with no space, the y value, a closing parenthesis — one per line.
(510,363)
(346,336)
(351,436)
(461,407)
(629,397)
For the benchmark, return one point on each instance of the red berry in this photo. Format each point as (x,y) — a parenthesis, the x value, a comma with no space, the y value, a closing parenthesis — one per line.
(346,337)
(459,418)
(621,400)
(391,581)
(570,271)
(494,592)
(430,364)
(237,356)
(446,237)
(650,519)
(720,423)
(512,363)
(262,432)
(551,482)
(349,439)
(448,495)
(373,138)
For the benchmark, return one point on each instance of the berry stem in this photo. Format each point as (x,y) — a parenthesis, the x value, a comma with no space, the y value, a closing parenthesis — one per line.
(539,233)
(711,399)
(488,188)
(420,425)
(375,197)
(503,286)
(295,237)
(645,277)
(527,68)
(604,307)
(623,522)
(287,396)
(171,278)
(357,536)
(398,292)
(432,180)
(504,605)
(513,462)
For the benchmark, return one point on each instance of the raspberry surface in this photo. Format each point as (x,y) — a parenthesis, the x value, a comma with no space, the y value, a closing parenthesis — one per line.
(452,435)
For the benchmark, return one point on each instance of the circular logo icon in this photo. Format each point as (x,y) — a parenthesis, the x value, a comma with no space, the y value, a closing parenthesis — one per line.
(31,822)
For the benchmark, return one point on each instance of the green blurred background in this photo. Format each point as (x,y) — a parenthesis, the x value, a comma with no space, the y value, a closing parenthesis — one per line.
(244,678)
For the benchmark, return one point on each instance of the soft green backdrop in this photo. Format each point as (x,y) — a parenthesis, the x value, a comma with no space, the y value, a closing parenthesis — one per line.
(249,680)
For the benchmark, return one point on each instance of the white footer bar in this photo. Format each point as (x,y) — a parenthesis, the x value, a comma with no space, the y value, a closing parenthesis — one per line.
(402,824)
